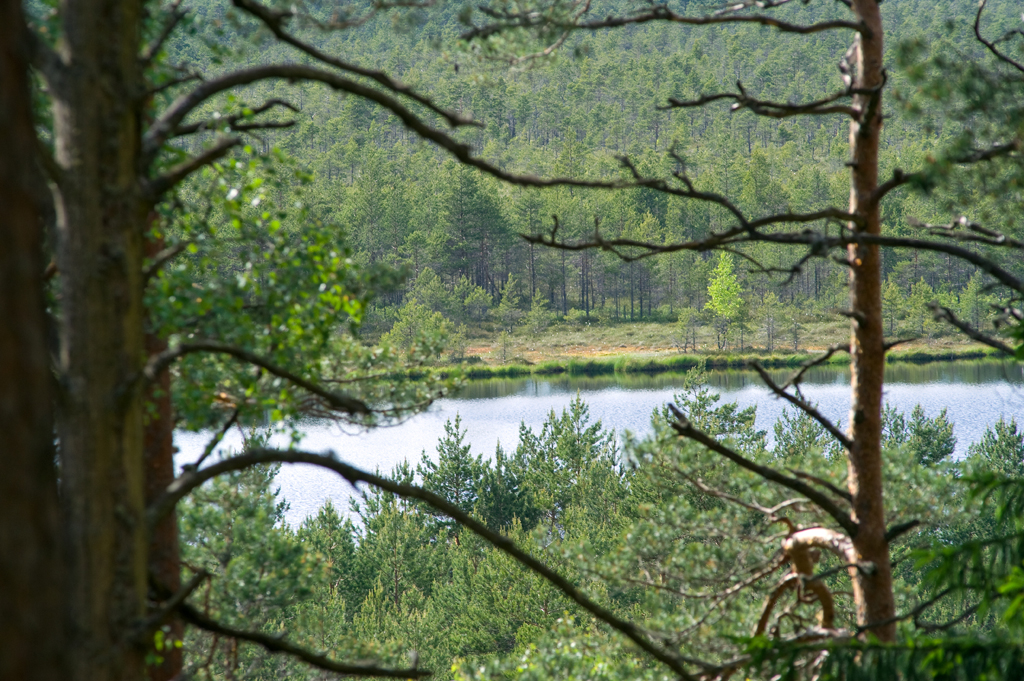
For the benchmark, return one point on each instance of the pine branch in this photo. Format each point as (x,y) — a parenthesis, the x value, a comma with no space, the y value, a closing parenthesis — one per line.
(278,644)
(683,426)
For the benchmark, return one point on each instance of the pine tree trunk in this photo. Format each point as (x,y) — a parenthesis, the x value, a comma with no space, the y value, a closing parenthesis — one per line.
(872,589)
(100,426)
(32,579)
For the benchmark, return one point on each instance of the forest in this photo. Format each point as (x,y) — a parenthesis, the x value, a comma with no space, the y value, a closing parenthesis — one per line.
(408,206)
(247,220)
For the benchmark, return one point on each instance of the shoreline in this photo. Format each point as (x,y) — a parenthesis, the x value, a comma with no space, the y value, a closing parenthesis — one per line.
(680,363)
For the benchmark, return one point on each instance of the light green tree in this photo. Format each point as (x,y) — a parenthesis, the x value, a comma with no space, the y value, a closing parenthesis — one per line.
(456,475)
(724,299)
(921,294)
(418,327)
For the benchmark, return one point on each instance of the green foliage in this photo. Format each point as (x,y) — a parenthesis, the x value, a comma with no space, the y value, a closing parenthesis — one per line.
(456,474)
(930,440)
(417,327)
(278,283)
(638,533)
(724,290)
(409,205)
(1000,450)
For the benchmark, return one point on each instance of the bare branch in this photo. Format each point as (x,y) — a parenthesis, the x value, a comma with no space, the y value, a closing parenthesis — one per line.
(162,258)
(771,513)
(931,628)
(748,232)
(165,125)
(841,493)
(214,441)
(335,400)
(663,13)
(232,120)
(899,530)
(995,151)
(683,426)
(275,19)
(898,179)
(790,582)
(990,45)
(156,187)
(944,314)
(192,479)
(801,404)
(977,233)
(278,644)
(173,18)
(173,82)
(169,606)
(771,109)
(809,364)
(889,345)
(913,614)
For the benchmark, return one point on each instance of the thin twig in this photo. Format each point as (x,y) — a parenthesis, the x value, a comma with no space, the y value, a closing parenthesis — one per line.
(215,440)
(802,405)
(943,313)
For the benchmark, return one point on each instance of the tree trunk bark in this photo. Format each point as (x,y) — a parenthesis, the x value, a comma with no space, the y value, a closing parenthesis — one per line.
(164,557)
(102,212)
(872,589)
(32,579)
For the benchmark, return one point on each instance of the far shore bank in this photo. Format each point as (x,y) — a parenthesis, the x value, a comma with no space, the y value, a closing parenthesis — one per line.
(682,362)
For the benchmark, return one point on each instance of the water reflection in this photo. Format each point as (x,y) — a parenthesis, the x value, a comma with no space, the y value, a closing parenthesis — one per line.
(969,372)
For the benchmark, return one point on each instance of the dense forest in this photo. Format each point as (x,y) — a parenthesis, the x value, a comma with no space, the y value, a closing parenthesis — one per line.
(457,232)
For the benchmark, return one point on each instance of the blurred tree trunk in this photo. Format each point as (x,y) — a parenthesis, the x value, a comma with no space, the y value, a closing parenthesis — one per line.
(32,640)
(98,97)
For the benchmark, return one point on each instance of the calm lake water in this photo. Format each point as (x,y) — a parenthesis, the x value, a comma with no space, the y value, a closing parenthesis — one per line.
(975,395)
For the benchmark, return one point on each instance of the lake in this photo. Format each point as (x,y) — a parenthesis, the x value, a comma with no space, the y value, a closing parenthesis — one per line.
(975,395)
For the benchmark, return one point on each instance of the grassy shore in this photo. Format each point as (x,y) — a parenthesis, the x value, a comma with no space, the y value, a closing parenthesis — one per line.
(652,348)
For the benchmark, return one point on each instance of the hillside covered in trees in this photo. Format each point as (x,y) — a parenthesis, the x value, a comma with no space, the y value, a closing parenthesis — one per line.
(456,232)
